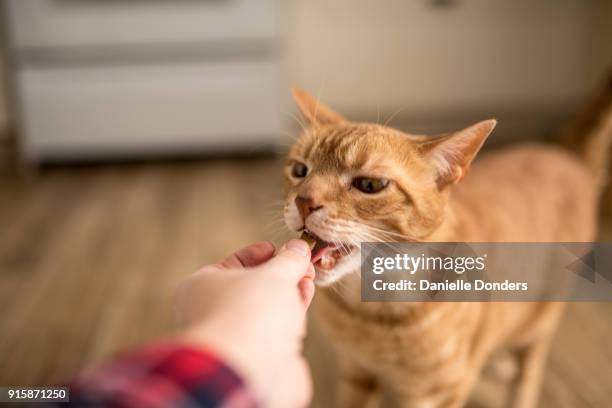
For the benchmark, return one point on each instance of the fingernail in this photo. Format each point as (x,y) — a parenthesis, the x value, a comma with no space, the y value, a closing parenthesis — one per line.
(299,246)
(310,273)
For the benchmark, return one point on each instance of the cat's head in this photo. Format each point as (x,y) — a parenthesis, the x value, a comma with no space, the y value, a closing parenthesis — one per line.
(350,182)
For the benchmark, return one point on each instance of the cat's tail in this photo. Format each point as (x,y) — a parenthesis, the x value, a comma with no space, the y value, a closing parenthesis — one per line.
(590,133)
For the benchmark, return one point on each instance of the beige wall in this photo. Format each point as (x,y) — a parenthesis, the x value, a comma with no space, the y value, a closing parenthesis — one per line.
(3,110)
(601,56)
(361,56)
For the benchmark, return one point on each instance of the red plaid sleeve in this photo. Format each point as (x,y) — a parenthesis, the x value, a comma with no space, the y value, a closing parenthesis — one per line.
(163,375)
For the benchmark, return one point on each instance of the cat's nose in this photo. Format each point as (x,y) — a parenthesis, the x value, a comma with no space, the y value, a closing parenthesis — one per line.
(306,206)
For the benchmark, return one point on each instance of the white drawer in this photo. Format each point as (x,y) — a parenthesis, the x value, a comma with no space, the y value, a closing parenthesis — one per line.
(94,112)
(57,23)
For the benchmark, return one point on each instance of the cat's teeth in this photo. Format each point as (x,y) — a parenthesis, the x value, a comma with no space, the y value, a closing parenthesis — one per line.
(327,262)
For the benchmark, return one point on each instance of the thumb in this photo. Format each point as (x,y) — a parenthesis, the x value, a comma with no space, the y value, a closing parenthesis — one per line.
(292,260)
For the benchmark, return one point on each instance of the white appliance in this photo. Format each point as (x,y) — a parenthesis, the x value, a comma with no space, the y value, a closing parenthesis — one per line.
(105,79)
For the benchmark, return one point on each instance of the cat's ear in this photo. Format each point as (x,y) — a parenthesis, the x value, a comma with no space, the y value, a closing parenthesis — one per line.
(315,111)
(451,154)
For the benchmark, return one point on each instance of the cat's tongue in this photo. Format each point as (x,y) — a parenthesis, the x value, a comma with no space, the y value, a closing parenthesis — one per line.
(322,249)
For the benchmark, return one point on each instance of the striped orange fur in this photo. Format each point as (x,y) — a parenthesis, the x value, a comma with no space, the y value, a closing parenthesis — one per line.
(432,354)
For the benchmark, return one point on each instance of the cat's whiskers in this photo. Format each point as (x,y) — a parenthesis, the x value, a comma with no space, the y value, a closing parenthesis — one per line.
(371,231)
(274,223)
(354,235)
(276,233)
(302,125)
(354,239)
(286,144)
(275,206)
(382,240)
(373,238)
(386,232)
(394,115)
(347,234)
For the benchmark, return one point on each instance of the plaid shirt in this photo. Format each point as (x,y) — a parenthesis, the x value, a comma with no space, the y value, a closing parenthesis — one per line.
(162,375)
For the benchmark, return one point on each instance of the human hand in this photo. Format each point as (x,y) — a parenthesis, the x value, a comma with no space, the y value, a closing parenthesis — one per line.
(250,309)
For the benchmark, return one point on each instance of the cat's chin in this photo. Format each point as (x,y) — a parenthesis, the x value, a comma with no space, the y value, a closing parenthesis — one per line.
(344,266)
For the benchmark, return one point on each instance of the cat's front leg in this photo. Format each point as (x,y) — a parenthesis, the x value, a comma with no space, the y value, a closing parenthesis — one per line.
(431,392)
(357,387)
(454,398)
(532,370)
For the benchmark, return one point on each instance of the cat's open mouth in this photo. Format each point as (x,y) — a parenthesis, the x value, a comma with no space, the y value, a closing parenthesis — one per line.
(324,255)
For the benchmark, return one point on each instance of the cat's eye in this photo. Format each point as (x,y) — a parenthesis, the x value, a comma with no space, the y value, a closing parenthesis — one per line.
(370,185)
(299,170)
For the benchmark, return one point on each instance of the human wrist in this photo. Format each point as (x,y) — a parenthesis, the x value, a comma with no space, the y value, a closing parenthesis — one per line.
(231,348)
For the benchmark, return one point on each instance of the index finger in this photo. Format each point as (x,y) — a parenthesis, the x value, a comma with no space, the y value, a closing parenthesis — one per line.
(292,261)
(249,256)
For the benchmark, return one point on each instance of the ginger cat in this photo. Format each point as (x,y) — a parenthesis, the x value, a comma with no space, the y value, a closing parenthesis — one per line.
(354,182)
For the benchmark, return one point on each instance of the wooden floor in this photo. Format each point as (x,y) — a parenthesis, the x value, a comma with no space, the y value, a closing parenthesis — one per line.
(90,256)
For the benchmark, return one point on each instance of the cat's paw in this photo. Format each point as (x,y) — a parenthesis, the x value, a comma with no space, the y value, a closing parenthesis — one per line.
(503,367)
